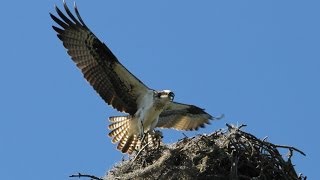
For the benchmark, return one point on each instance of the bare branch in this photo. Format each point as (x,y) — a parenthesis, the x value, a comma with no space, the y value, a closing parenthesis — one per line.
(79,175)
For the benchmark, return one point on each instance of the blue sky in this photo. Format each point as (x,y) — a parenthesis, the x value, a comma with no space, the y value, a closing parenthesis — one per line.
(257,62)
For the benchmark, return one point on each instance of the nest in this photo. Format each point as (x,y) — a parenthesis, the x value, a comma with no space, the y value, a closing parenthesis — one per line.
(225,154)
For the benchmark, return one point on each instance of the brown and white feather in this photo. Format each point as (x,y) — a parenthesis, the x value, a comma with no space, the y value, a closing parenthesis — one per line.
(183,117)
(100,67)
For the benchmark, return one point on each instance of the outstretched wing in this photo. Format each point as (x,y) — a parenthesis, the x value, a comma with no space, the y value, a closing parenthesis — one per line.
(112,81)
(183,117)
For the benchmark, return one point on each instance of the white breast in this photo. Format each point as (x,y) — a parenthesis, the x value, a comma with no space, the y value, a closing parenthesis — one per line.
(147,113)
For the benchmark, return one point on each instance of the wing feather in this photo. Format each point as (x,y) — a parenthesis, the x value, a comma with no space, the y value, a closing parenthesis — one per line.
(111,80)
(183,117)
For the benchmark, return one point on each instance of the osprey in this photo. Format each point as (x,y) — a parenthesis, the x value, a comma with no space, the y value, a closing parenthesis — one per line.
(146,108)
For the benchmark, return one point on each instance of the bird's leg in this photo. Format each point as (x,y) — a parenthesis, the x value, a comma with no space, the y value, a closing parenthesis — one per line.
(143,134)
(142,129)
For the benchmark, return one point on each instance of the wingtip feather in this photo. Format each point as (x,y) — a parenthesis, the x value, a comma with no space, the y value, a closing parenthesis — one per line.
(58,30)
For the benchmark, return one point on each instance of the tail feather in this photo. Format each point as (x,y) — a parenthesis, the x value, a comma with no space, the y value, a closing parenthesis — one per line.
(128,144)
(118,133)
(126,130)
(114,119)
(133,144)
(123,131)
(119,128)
(118,121)
(153,139)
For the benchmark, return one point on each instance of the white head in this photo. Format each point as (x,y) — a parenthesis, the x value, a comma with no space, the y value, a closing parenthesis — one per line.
(165,94)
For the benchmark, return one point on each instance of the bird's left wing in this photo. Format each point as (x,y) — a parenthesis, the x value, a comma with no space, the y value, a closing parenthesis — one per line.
(111,80)
(183,117)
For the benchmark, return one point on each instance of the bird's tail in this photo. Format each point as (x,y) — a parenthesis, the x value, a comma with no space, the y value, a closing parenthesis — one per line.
(125,130)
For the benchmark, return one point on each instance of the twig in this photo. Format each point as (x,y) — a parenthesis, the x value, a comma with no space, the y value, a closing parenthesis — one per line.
(265,139)
(79,175)
(236,128)
(219,117)
(290,147)
(185,136)
(140,151)
(229,126)
(241,126)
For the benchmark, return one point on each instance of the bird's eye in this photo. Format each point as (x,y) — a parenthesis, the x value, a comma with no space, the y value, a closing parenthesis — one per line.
(171,95)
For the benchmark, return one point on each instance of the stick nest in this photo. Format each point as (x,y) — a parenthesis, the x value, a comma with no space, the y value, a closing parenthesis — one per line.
(225,154)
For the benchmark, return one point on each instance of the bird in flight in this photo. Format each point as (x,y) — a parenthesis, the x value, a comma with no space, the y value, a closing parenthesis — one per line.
(145,108)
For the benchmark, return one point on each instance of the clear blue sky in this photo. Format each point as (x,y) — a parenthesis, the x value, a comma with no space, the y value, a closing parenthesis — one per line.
(257,62)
